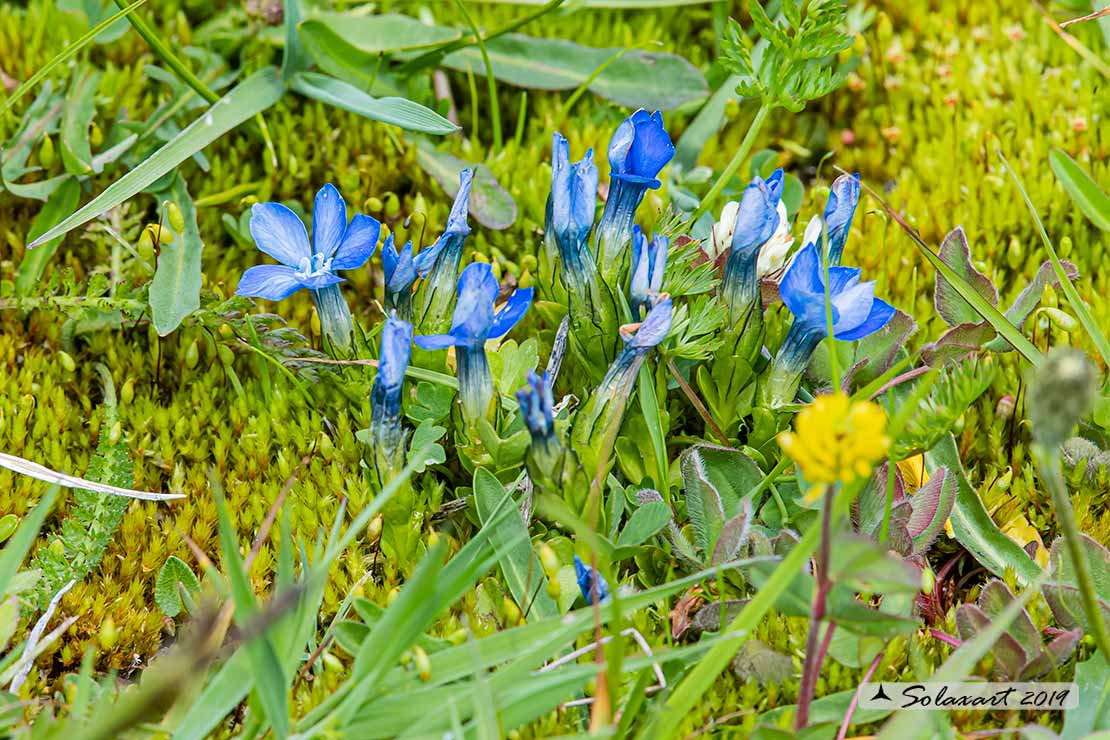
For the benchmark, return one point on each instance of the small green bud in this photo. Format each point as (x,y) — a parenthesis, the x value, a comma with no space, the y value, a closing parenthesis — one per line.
(115,433)
(145,245)
(510,610)
(192,354)
(374,529)
(174,217)
(127,392)
(1015,254)
(549,560)
(526,280)
(96,136)
(1064,249)
(109,635)
(67,362)
(392,205)
(227,357)
(422,662)
(8,525)
(1060,319)
(46,152)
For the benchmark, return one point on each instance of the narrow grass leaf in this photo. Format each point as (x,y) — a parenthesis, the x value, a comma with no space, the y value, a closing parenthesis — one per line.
(653,418)
(255,94)
(59,205)
(1082,312)
(1084,191)
(393,110)
(17,547)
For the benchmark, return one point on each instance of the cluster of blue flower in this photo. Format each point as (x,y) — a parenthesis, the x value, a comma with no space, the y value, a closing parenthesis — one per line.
(620,260)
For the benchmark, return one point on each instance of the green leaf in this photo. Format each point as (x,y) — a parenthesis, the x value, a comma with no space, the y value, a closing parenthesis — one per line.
(293,59)
(269,676)
(393,110)
(11,557)
(175,573)
(653,419)
(1093,712)
(646,521)
(957,254)
(370,35)
(651,80)
(80,107)
(973,526)
(60,204)
(490,203)
(175,289)
(1084,191)
(519,563)
(255,94)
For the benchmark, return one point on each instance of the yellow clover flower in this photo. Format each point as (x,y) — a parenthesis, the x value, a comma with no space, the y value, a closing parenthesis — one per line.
(836,439)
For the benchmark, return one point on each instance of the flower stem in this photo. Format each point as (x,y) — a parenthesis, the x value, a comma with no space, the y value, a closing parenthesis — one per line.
(1048,463)
(815,655)
(737,160)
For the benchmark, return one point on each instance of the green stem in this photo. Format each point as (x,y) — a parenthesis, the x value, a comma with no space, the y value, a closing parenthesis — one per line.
(494,103)
(1048,463)
(737,160)
(179,67)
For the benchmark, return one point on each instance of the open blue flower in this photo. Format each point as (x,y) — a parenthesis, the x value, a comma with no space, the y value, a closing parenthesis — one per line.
(439,263)
(591,583)
(856,313)
(839,209)
(400,274)
(756,221)
(640,148)
(649,261)
(474,321)
(336,245)
(385,397)
(571,209)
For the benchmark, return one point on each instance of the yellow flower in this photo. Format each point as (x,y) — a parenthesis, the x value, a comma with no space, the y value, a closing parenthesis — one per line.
(1022,532)
(837,439)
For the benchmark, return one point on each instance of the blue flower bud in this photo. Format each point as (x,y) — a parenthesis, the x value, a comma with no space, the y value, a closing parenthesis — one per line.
(649,260)
(591,583)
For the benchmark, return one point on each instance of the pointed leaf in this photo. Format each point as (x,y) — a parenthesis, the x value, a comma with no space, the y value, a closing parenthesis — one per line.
(175,290)
(956,253)
(646,521)
(1084,191)
(734,534)
(253,95)
(932,504)
(393,110)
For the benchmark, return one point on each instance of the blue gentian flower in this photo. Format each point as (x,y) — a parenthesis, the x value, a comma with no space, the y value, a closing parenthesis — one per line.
(756,221)
(571,208)
(545,454)
(856,313)
(604,411)
(400,274)
(839,209)
(336,245)
(639,149)
(591,583)
(439,263)
(474,322)
(385,397)
(649,260)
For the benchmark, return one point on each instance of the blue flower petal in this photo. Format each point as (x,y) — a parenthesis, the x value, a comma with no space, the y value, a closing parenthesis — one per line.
(852,306)
(881,313)
(279,233)
(329,221)
(841,278)
(473,316)
(620,145)
(395,350)
(435,341)
(512,312)
(400,270)
(802,282)
(659,246)
(653,329)
(839,209)
(358,243)
(315,282)
(272,282)
(758,216)
(456,222)
(591,584)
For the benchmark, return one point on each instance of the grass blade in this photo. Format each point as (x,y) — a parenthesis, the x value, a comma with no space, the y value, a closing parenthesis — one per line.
(66,53)
(255,94)
(45,474)
(1078,305)
(1084,191)
(982,307)
(19,545)
(396,111)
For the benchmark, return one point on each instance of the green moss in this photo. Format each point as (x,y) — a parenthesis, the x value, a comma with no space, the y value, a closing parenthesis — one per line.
(936,91)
